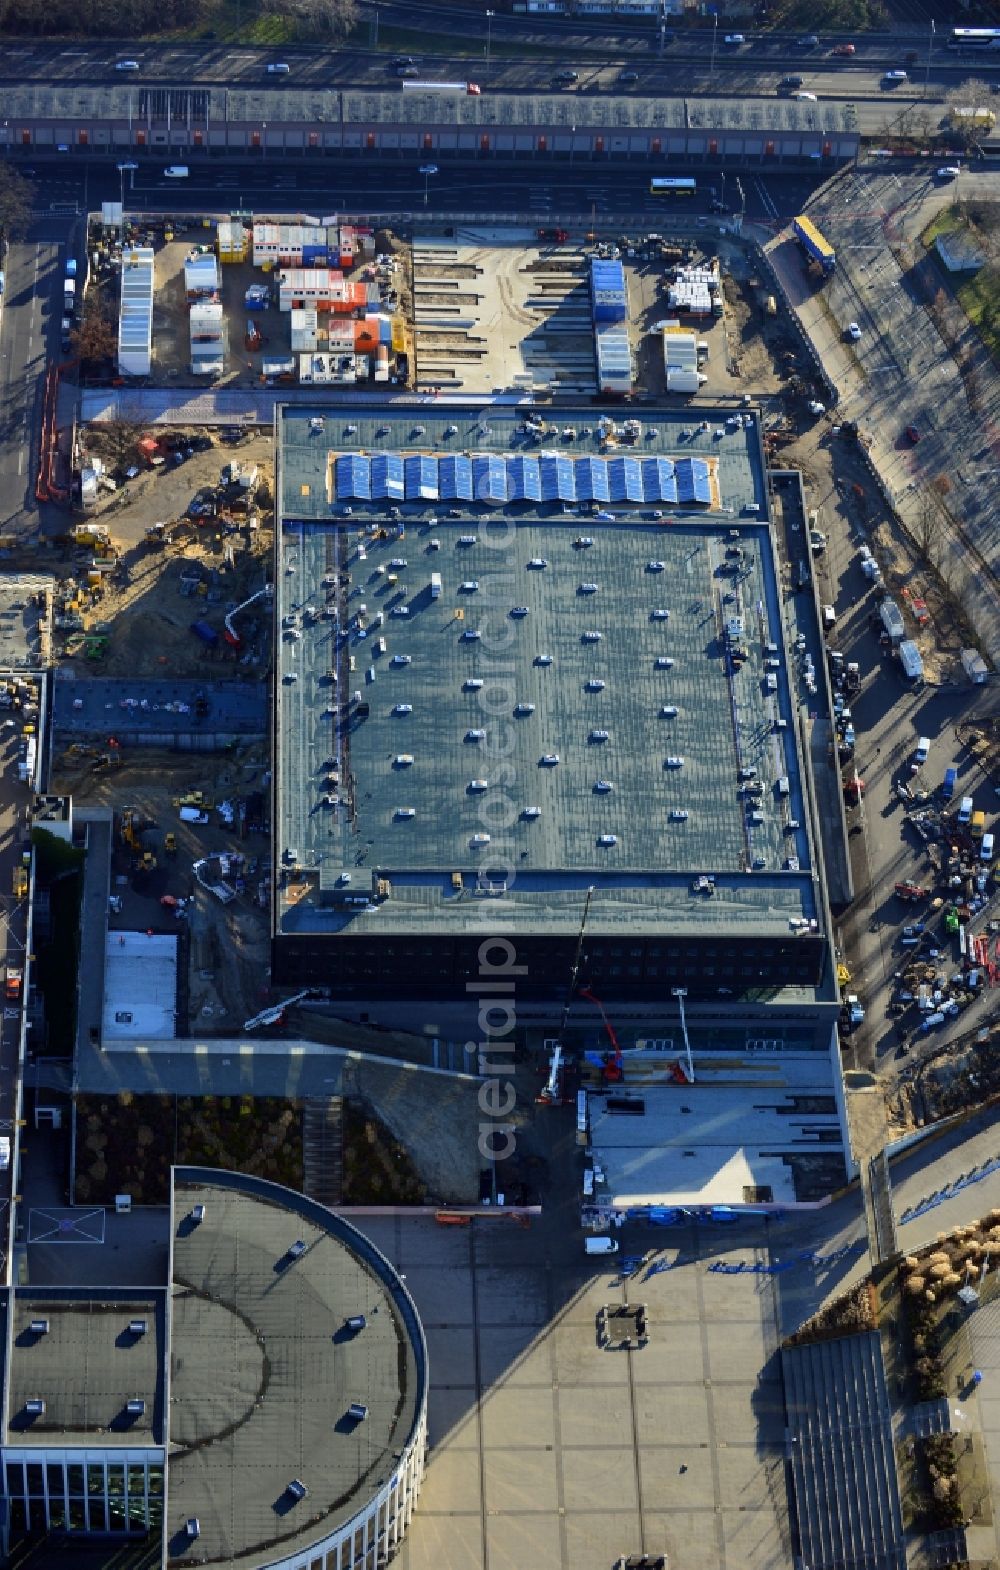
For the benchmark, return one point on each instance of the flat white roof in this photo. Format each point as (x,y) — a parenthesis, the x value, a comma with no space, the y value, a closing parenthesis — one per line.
(140,986)
(710,1142)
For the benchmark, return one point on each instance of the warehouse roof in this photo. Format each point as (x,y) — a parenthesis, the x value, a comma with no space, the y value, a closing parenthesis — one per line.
(599,650)
(264,1368)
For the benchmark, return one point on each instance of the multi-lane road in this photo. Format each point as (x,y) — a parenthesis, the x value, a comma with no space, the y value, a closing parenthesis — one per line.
(691,63)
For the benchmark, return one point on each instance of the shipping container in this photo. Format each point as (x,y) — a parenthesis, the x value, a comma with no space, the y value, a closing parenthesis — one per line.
(814,243)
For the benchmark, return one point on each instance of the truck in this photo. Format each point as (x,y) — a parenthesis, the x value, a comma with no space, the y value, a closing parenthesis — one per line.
(909,659)
(815,245)
(967,117)
(435,585)
(69,295)
(470,88)
(892,620)
(12,983)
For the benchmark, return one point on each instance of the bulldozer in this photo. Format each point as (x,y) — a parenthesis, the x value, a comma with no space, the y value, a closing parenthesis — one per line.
(170,844)
(146,862)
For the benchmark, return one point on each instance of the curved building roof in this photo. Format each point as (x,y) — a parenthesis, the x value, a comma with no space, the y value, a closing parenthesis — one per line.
(263,1370)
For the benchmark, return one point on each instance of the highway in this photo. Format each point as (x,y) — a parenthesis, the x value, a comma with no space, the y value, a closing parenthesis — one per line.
(392,184)
(688,65)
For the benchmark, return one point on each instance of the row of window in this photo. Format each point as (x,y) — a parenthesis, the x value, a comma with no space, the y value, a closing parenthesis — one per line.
(136,1517)
(75,1479)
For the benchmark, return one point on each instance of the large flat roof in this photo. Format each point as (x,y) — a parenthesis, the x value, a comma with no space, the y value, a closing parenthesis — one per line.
(392,106)
(86,1367)
(382,754)
(263,1369)
(695,1145)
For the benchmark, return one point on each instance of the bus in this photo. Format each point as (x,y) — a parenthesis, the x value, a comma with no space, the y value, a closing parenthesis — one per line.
(974,38)
(672,187)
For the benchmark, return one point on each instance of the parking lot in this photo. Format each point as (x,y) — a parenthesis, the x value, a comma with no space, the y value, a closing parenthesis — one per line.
(901,375)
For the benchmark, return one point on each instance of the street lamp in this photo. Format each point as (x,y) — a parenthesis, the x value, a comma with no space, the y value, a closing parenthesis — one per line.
(489,30)
(930,52)
(715,40)
(427,170)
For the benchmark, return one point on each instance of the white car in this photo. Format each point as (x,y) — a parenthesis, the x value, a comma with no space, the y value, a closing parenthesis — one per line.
(853,331)
(816,408)
(735,38)
(807,98)
(948,172)
(894,76)
(278,68)
(176,172)
(127,65)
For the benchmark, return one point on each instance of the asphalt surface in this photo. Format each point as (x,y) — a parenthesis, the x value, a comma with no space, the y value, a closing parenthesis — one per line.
(29,339)
(687,64)
(875,221)
(593,191)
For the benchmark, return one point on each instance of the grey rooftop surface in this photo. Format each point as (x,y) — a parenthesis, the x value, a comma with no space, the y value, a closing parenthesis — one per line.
(25,624)
(400,790)
(316,107)
(263,1369)
(86,1368)
(104,706)
(841,1454)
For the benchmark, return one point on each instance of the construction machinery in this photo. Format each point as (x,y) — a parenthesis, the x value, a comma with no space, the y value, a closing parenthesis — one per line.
(146,862)
(170,844)
(194,798)
(131,833)
(12,983)
(276,1015)
(20,882)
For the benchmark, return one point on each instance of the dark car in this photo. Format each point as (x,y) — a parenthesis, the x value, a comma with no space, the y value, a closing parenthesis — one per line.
(788,84)
(566,78)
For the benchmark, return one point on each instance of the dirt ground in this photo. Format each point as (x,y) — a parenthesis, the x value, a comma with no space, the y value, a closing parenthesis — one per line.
(227,949)
(171,333)
(143,608)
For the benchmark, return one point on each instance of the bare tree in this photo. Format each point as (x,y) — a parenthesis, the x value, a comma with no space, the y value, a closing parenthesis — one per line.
(95,339)
(927,528)
(16,198)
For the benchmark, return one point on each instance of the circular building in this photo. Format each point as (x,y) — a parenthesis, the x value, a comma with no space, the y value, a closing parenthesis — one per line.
(297,1384)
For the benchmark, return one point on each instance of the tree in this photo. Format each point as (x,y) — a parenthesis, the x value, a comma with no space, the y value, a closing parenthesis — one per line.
(95,339)
(17,197)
